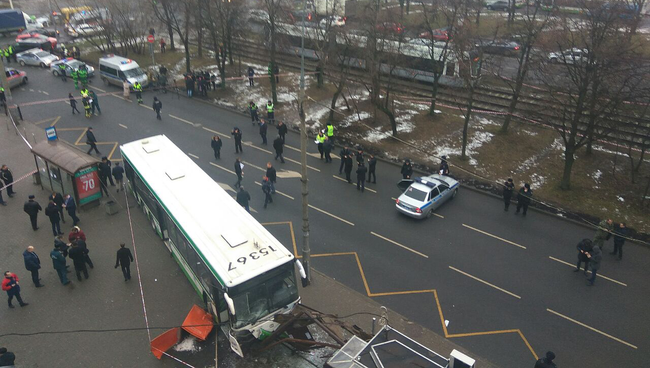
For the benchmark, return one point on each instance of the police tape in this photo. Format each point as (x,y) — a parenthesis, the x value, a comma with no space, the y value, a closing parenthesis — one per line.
(18,180)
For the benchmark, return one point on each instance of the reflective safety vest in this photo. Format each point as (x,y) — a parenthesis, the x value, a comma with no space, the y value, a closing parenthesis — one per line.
(74,74)
(269,107)
(5,52)
(62,66)
(330,130)
(84,92)
(137,87)
(11,50)
(83,74)
(320,138)
(253,107)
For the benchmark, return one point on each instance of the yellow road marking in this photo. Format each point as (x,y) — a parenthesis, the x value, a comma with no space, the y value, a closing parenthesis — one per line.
(298,163)
(222,168)
(494,236)
(55,121)
(399,245)
(343,180)
(123,126)
(76,143)
(43,121)
(433,213)
(485,282)
(277,191)
(215,132)
(195,156)
(597,275)
(331,215)
(591,328)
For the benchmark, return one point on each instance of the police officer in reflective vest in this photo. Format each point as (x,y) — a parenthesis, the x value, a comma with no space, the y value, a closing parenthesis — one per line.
(254,116)
(12,53)
(269,112)
(75,78)
(83,76)
(84,92)
(137,87)
(62,71)
(3,100)
(330,132)
(5,52)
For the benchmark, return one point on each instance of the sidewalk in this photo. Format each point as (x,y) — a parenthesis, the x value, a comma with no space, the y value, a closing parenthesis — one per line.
(106,302)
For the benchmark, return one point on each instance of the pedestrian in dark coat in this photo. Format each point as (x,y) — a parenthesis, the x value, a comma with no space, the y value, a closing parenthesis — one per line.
(216,144)
(266,189)
(82,244)
(7,358)
(278,145)
(52,211)
(239,172)
(282,130)
(124,259)
(251,76)
(508,189)
(31,208)
(619,239)
(236,133)
(12,287)
(78,257)
(327,149)
(271,173)
(595,256)
(585,246)
(243,198)
(61,245)
(104,174)
(8,178)
(59,264)
(547,361)
(372,164)
(118,174)
(70,205)
(254,112)
(95,103)
(348,167)
(189,85)
(91,140)
(444,166)
(359,156)
(407,169)
(523,198)
(157,106)
(361,176)
(2,201)
(32,264)
(73,104)
(58,200)
(344,152)
(263,130)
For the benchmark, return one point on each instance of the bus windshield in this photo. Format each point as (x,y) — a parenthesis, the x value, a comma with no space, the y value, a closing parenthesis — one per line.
(264,295)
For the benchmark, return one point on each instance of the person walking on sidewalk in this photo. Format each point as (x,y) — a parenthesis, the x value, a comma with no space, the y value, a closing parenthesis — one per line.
(94,103)
(523,198)
(91,140)
(216,144)
(278,146)
(372,164)
(595,256)
(82,244)
(163,45)
(124,259)
(239,172)
(547,361)
(58,200)
(78,257)
(59,264)
(619,239)
(361,176)
(263,129)
(251,76)
(118,174)
(31,208)
(243,198)
(12,287)
(8,179)
(254,112)
(236,133)
(282,130)
(73,104)
(104,174)
(157,106)
(52,211)
(266,189)
(508,189)
(71,206)
(32,264)
(271,173)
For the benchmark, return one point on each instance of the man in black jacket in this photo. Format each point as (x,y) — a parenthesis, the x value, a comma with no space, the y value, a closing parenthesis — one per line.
(7,358)
(239,172)
(361,176)
(216,144)
(78,257)
(348,167)
(8,178)
(508,188)
(407,169)
(271,173)
(278,145)
(584,247)
(344,152)
(327,149)
(523,198)
(547,361)
(619,239)
(124,259)
(31,208)
(52,211)
(282,130)
(236,133)
(32,264)
(118,174)
(372,164)
(58,200)
(243,198)
(263,129)
(104,174)
(91,140)
(71,206)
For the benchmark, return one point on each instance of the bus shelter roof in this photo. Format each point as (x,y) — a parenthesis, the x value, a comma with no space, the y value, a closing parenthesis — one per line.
(64,155)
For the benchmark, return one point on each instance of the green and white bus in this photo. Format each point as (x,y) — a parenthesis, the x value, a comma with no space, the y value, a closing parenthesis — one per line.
(227,255)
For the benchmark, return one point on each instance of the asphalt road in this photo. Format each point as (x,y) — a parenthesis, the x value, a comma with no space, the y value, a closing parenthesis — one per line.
(499,279)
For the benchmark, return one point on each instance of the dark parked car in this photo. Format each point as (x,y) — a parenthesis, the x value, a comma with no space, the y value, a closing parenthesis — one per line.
(497,5)
(507,48)
(32,43)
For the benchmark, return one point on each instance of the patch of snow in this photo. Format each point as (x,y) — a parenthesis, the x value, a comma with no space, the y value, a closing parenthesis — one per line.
(375,135)
(363,115)
(620,199)
(479,139)
(596,176)
(530,133)
(537,181)
(484,121)
(473,162)
(189,344)
(437,111)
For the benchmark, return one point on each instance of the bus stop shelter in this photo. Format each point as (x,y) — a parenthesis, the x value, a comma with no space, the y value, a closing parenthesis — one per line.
(65,169)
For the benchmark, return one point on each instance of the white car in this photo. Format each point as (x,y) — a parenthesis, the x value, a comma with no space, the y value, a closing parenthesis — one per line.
(36,57)
(334,20)
(81,30)
(423,195)
(571,56)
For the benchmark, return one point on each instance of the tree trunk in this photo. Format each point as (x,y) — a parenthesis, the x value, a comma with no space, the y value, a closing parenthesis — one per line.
(335,98)
(274,87)
(186,43)
(434,94)
(199,41)
(468,116)
(569,159)
(170,32)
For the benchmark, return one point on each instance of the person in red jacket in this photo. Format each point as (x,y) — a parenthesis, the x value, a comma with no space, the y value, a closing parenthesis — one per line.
(11,286)
(76,233)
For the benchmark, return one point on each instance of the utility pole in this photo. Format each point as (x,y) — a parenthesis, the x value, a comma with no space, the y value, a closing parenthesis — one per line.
(306,251)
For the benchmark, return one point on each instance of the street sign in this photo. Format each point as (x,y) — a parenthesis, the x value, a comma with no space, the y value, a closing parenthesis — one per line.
(150,39)
(50,133)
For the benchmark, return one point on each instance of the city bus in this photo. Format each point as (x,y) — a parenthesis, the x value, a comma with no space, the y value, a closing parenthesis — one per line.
(235,265)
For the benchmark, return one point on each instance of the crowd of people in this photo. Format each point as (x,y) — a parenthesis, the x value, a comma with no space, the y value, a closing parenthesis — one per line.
(201,81)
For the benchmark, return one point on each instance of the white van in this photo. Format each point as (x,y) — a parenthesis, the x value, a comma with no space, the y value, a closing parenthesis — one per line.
(114,69)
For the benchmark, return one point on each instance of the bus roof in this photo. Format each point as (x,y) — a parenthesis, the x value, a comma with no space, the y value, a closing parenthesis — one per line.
(221,230)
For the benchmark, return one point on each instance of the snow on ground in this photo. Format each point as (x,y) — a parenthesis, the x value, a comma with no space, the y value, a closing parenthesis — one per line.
(314,115)
(537,181)
(189,344)
(363,115)
(597,175)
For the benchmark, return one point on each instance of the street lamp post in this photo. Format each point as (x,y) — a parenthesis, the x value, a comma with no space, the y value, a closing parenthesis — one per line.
(306,251)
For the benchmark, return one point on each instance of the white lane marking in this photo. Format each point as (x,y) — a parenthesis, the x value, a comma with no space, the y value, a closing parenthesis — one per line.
(250,144)
(286,174)
(196,125)
(485,282)
(494,236)
(399,245)
(123,126)
(215,132)
(591,328)
(345,181)
(597,275)
(298,163)
(254,166)
(99,89)
(277,191)
(222,168)
(195,156)
(46,93)
(329,214)
(146,107)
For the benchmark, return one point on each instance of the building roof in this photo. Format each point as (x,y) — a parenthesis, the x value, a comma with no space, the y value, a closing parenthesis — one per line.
(64,155)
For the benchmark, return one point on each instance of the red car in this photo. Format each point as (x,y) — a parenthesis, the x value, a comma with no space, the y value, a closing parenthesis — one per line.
(392,27)
(24,36)
(441,34)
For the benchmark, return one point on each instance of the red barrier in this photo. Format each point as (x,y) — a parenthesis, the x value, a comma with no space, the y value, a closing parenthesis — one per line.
(198,323)
(163,342)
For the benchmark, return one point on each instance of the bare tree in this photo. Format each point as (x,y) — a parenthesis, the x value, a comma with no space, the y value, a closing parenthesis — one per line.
(176,14)
(275,10)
